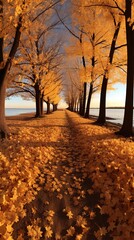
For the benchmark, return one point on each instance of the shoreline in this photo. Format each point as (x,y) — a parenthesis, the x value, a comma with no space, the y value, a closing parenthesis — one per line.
(109,124)
(21,116)
(115,122)
(31,115)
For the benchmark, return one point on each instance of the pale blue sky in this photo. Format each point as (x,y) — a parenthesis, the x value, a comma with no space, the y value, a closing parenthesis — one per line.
(114,98)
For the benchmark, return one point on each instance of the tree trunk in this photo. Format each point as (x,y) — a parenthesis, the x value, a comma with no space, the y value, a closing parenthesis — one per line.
(127,127)
(69,107)
(89,100)
(72,104)
(84,99)
(83,95)
(3,126)
(77,108)
(48,106)
(102,113)
(41,102)
(81,105)
(53,107)
(38,101)
(4,70)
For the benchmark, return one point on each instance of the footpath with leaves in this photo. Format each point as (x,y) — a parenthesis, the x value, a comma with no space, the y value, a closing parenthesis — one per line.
(62,177)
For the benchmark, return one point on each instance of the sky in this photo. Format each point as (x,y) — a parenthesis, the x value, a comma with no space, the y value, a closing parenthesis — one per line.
(115,98)
(18,102)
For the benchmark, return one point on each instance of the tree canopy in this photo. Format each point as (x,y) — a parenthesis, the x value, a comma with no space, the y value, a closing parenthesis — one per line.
(88,48)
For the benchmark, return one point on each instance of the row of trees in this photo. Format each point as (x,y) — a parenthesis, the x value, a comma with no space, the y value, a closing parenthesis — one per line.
(99,52)
(30,55)
(37,73)
(103,37)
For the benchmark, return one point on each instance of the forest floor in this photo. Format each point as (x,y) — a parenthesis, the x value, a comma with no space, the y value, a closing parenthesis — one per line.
(62,177)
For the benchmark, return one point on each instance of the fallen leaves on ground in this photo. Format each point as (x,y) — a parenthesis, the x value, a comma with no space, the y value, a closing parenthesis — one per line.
(65,178)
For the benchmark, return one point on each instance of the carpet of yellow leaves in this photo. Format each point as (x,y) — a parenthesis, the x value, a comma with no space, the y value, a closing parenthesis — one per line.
(64,178)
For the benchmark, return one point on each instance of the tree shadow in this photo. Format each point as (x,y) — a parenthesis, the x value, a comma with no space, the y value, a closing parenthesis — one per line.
(46,200)
(37,126)
(73,149)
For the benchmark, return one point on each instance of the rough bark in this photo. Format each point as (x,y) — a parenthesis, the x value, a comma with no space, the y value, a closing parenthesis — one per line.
(127,127)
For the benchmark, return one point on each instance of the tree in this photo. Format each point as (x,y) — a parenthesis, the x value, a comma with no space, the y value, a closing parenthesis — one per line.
(125,8)
(12,24)
(4,67)
(36,68)
(97,40)
(102,113)
(78,36)
(127,127)
(52,91)
(74,81)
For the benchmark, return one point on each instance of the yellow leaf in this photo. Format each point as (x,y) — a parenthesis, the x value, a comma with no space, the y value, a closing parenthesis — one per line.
(49,231)
(71,231)
(9,228)
(70,215)
(78,237)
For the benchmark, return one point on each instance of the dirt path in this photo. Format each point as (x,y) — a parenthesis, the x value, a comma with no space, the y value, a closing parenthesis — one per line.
(62,152)
(65,207)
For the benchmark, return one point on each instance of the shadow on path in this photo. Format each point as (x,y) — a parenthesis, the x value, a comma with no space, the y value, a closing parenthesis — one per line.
(64,205)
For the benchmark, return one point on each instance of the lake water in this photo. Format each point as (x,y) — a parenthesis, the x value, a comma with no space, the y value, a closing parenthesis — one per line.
(115,115)
(17,111)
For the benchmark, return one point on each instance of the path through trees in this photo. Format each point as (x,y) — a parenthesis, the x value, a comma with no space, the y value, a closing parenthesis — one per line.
(67,179)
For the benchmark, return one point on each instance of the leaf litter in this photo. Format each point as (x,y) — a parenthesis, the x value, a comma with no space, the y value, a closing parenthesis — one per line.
(66,180)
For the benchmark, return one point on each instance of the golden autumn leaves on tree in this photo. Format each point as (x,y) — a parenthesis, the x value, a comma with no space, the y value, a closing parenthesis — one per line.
(99,48)
(124,8)
(37,68)
(62,176)
(16,17)
(113,13)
